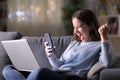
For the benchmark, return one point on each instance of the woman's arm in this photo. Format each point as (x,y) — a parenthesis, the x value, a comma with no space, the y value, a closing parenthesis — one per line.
(107,56)
(54,61)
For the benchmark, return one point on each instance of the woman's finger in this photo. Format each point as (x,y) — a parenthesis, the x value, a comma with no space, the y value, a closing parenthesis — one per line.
(45,43)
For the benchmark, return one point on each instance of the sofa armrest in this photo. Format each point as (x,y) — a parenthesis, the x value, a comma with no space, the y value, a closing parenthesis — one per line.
(93,73)
(110,74)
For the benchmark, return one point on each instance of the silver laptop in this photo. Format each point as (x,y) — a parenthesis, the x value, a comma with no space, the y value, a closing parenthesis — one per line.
(21,55)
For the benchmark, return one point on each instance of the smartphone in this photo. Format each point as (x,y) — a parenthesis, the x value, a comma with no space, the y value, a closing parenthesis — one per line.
(47,37)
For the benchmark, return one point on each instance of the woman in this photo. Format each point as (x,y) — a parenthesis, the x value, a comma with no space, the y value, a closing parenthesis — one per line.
(91,45)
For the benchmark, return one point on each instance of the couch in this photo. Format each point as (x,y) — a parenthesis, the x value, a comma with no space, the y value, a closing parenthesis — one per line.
(97,72)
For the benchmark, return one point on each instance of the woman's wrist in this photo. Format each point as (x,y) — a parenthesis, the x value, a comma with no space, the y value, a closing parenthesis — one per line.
(104,38)
(49,54)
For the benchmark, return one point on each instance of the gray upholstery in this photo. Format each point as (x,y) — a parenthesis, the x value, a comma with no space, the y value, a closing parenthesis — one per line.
(110,74)
(94,72)
(4,60)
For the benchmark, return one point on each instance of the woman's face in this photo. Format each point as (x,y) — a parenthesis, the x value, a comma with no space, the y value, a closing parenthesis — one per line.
(81,29)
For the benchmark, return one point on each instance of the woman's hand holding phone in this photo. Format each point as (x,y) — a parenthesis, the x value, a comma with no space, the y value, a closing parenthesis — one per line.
(49,48)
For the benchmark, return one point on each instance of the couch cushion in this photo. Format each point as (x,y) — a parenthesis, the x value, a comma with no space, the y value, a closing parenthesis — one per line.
(110,74)
(4,60)
(93,73)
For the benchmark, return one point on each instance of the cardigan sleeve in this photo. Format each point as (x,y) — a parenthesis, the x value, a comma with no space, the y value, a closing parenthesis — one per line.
(107,56)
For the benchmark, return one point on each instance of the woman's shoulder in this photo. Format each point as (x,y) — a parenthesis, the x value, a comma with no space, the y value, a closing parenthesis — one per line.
(82,42)
(74,42)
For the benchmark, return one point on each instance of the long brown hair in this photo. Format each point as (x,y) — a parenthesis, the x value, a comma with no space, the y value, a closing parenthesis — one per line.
(90,19)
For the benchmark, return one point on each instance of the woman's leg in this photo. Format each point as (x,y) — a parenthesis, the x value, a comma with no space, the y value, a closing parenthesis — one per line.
(45,74)
(10,73)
